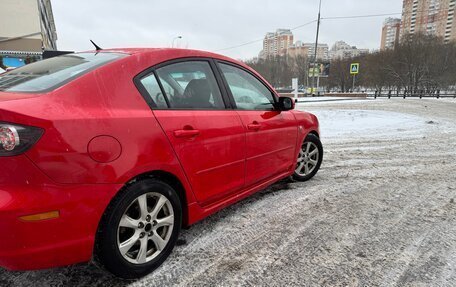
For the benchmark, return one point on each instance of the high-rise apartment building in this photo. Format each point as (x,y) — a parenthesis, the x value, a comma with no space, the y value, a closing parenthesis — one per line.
(432,17)
(277,43)
(390,33)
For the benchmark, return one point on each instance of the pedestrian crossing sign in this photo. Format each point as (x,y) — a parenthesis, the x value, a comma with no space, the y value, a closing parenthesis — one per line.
(354,68)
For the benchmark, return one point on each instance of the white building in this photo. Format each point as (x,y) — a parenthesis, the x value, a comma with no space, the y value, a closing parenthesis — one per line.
(341,50)
(27,26)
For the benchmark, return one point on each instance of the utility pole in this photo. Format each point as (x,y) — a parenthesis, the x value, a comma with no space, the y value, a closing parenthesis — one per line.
(316,49)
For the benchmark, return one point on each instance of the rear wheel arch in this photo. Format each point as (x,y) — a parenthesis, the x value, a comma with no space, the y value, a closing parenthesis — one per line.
(170,179)
(107,252)
(164,176)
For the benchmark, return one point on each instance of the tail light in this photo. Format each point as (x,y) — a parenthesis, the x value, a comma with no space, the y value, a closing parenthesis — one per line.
(16,139)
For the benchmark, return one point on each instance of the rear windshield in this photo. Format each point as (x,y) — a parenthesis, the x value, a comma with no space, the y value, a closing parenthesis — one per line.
(52,73)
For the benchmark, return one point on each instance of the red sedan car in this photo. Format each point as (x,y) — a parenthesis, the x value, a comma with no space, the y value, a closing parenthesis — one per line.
(106,155)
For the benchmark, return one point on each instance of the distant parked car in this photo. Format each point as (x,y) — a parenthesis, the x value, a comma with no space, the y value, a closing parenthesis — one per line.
(107,154)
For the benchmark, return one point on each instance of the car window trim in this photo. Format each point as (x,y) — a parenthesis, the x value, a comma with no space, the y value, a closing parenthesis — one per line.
(145,94)
(221,83)
(160,86)
(228,90)
(228,94)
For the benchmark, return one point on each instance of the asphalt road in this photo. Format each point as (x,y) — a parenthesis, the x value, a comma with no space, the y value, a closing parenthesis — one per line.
(381,212)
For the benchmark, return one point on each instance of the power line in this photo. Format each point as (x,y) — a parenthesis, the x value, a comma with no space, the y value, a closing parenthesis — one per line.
(303,25)
(382,15)
(240,45)
(331,18)
(259,40)
(360,16)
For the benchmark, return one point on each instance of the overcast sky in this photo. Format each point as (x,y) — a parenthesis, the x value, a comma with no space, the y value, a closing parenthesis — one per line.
(213,24)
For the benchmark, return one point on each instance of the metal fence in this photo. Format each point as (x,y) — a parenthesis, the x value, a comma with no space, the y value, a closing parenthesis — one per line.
(416,94)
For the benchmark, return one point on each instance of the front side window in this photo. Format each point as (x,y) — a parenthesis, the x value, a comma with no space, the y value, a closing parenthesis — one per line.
(248,92)
(52,73)
(190,85)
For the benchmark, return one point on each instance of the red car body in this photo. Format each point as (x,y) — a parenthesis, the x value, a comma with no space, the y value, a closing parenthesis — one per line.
(99,134)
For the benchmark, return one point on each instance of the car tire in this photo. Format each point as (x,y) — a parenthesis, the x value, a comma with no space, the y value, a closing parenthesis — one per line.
(136,234)
(309,158)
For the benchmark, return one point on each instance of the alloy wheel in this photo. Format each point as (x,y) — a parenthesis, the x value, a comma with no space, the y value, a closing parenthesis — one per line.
(145,228)
(307,159)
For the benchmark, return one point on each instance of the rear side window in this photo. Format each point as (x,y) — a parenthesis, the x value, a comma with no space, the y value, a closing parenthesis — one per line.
(190,85)
(153,89)
(52,73)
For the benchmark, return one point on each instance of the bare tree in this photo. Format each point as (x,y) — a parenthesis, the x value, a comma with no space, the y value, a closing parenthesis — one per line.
(419,63)
(339,77)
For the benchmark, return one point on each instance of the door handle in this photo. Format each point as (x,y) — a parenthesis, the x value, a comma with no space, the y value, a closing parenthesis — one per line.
(254,126)
(186,133)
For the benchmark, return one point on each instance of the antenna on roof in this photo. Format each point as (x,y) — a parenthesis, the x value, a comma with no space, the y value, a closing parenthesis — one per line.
(96,46)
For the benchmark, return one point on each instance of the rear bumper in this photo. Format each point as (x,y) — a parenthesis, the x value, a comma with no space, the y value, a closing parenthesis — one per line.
(68,239)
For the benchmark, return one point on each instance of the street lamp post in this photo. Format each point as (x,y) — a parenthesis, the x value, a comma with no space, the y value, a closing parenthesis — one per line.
(178,37)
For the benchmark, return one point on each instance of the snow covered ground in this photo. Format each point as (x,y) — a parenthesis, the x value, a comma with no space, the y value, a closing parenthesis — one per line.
(381,212)
(328,99)
(342,125)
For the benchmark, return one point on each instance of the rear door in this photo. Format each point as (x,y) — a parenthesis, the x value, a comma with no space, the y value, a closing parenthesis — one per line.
(208,138)
(270,134)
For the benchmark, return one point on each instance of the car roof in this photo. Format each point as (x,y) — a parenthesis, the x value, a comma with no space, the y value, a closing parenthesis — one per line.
(170,52)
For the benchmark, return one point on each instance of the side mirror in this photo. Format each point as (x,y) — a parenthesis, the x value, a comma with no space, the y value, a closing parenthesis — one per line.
(286,104)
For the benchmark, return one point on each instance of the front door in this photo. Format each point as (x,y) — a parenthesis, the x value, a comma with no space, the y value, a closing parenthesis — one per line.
(209,140)
(270,134)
